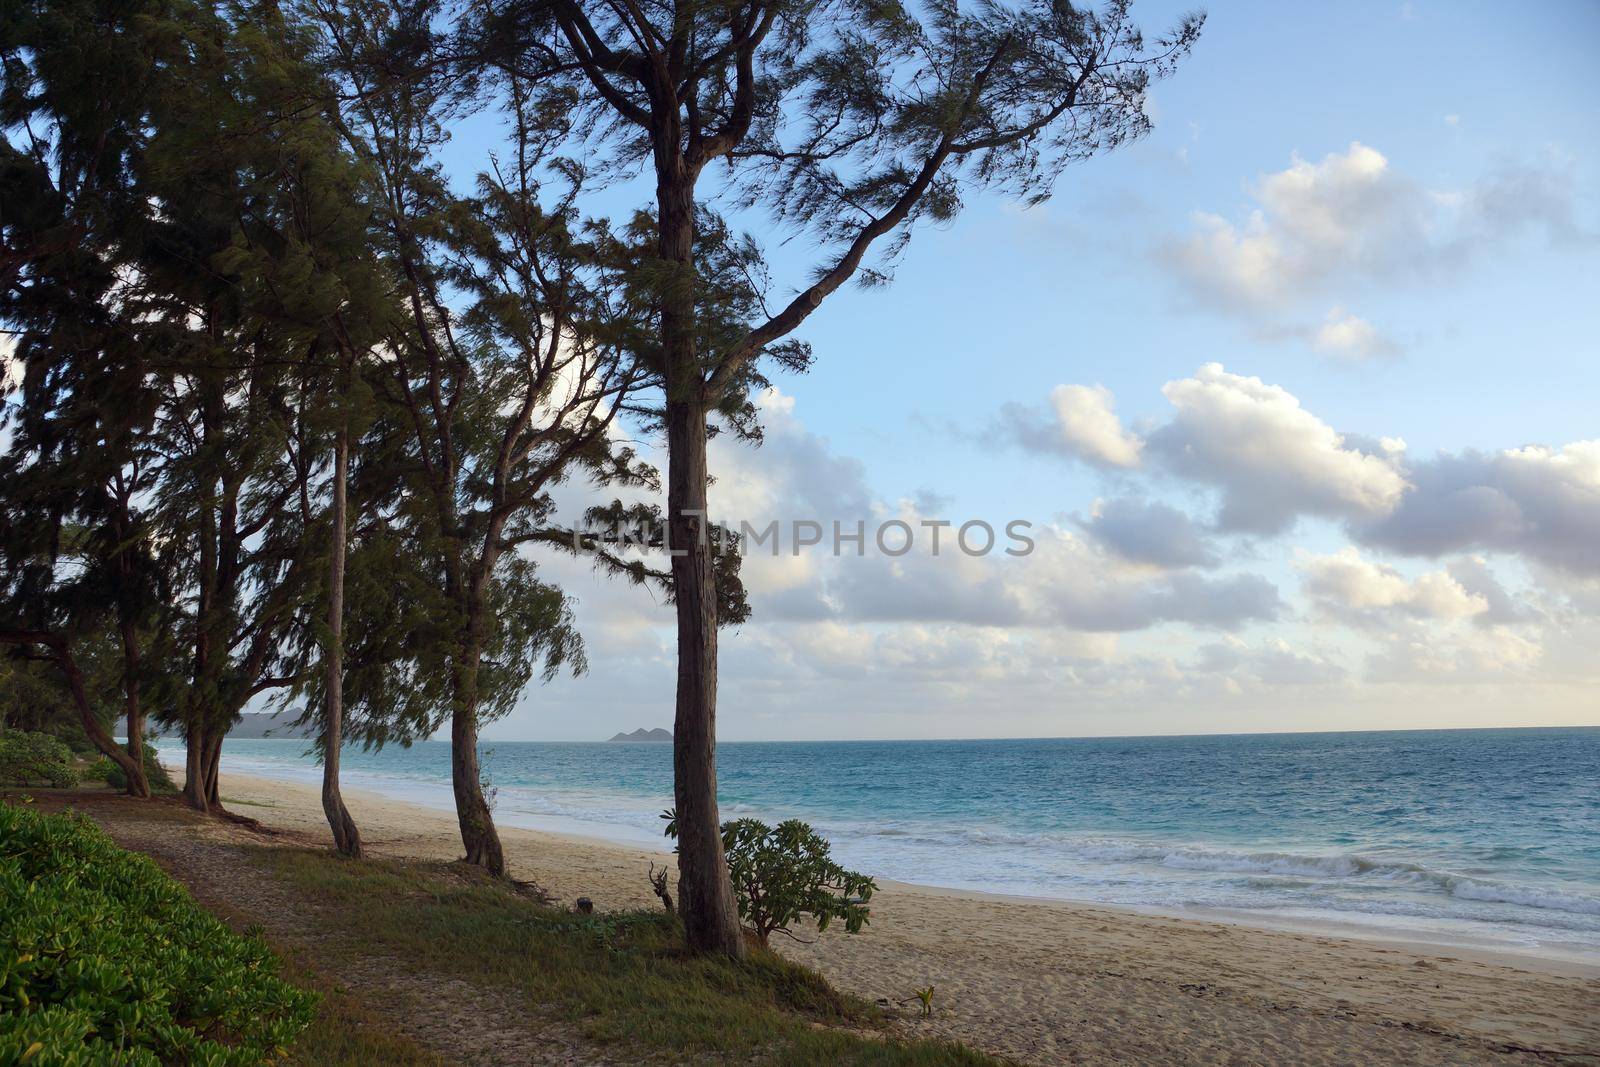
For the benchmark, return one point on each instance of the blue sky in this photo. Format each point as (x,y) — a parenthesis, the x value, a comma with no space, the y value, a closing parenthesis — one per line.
(1389,213)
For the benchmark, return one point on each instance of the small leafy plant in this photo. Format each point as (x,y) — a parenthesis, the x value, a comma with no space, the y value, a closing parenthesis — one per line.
(784,874)
(35,759)
(105,959)
(154,773)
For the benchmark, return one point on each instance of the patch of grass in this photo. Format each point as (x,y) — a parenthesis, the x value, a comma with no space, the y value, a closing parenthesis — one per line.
(619,979)
(346,1033)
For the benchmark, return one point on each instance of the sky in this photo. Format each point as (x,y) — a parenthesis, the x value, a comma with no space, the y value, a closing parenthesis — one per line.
(1300,395)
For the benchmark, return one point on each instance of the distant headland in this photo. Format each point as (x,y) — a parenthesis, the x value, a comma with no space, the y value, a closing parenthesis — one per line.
(641,734)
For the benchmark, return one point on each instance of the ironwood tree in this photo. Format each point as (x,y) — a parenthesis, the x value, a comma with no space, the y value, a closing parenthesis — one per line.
(82,83)
(848,122)
(500,382)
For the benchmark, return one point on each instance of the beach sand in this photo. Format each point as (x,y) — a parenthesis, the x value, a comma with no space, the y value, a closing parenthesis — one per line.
(1043,982)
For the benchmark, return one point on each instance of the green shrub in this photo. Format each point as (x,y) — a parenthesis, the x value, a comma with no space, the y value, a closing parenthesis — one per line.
(783,873)
(104,959)
(35,759)
(100,770)
(155,774)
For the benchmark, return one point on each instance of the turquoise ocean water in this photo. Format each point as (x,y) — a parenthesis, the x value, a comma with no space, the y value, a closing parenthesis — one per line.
(1464,836)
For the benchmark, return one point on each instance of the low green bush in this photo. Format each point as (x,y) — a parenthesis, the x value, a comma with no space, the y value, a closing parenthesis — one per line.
(104,959)
(155,774)
(785,873)
(35,759)
(100,770)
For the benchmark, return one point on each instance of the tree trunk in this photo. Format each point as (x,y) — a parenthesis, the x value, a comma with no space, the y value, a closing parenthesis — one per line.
(346,838)
(194,763)
(133,711)
(472,810)
(705,894)
(213,767)
(202,760)
(62,652)
(478,834)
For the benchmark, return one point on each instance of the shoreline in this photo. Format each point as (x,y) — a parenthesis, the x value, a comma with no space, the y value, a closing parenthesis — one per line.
(1397,932)
(1548,959)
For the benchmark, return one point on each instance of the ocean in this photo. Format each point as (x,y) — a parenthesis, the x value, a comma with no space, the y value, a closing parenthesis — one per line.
(1481,837)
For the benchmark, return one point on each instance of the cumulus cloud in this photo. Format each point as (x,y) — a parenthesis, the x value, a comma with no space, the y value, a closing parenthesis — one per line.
(1541,502)
(1472,573)
(1081,424)
(1348,211)
(1131,605)
(1271,459)
(794,473)
(1142,531)
(1351,222)
(1119,577)
(1349,587)
(1352,217)
(1349,337)
(1067,582)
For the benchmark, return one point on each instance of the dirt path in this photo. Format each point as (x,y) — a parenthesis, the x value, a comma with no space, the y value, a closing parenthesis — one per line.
(456,1020)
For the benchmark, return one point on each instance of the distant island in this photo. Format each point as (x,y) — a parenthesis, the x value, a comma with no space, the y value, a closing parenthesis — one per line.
(641,734)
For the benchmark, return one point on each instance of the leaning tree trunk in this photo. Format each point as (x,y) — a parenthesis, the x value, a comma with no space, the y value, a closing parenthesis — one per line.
(346,838)
(91,724)
(705,894)
(478,834)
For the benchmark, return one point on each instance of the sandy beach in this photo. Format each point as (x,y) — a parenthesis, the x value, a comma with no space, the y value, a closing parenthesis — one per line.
(1044,982)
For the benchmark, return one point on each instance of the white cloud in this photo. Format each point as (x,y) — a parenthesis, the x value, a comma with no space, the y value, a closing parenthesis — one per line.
(11,368)
(1317,231)
(1310,221)
(1149,532)
(1271,662)
(1114,581)
(1082,424)
(1271,459)
(1067,583)
(1418,654)
(1349,587)
(1348,336)
(1272,462)
(1132,606)
(1539,501)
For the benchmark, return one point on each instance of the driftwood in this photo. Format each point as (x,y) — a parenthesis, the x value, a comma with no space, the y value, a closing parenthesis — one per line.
(658,882)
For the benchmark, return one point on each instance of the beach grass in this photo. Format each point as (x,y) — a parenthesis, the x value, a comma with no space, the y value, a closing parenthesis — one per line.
(347,1033)
(618,980)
